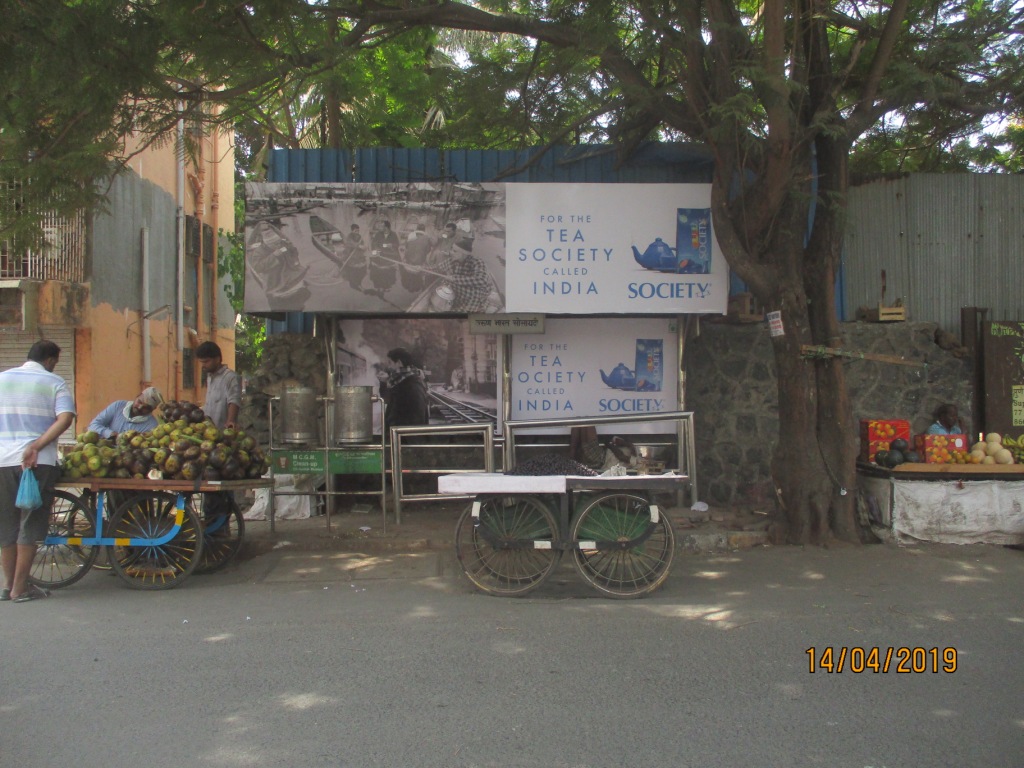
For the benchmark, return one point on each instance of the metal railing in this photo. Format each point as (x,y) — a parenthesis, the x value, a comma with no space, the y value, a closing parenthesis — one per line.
(62,258)
(399,470)
(686,456)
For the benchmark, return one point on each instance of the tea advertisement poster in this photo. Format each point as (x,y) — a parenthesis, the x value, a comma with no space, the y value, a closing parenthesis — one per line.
(457,248)
(622,248)
(630,368)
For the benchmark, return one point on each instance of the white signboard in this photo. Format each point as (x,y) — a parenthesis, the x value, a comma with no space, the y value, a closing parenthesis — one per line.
(625,248)
(630,367)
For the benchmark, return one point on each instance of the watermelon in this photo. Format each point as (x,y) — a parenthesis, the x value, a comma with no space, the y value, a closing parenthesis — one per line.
(894,458)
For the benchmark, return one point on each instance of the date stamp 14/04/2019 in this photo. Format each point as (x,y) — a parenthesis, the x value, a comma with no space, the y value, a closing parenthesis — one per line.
(903,659)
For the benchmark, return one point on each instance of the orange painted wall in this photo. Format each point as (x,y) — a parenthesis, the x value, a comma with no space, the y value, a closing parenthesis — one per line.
(109,344)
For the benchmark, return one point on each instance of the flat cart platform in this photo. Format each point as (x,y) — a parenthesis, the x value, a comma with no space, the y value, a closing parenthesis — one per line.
(153,533)
(511,538)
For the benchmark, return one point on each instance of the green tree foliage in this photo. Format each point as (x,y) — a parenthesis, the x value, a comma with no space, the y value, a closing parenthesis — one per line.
(65,73)
(250,331)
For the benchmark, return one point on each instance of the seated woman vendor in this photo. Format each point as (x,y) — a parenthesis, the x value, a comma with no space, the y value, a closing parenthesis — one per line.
(947,421)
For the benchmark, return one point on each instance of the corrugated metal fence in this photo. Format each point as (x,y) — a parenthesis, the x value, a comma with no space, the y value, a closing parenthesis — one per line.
(652,163)
(944,241)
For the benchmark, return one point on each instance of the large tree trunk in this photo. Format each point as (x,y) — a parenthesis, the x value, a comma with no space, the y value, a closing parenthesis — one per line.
(837,435)
(793,271)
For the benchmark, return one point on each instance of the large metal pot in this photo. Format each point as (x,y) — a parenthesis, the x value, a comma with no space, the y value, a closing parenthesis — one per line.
(353,414)
(299,416)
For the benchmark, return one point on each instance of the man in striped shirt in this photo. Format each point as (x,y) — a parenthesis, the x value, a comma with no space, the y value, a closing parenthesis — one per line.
(36,407)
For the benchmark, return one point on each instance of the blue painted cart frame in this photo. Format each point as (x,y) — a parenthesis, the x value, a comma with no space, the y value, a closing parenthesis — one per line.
(153,532)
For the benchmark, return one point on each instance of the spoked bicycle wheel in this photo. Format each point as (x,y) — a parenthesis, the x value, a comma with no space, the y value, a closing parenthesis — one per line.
(506,549)
(223,533)
(110,501)
(154,516)
(625,545)
(58,565)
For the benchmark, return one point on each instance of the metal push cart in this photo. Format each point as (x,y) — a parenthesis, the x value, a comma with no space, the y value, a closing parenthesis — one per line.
(155,532)
(511,538)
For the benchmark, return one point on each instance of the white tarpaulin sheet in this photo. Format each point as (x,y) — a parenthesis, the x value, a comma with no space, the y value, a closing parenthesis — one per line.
(285,507)
(954,512)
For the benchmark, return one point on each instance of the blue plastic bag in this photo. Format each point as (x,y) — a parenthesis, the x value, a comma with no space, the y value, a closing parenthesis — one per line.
(28,492)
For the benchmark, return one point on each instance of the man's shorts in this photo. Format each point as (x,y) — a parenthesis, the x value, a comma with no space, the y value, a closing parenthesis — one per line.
(18,526)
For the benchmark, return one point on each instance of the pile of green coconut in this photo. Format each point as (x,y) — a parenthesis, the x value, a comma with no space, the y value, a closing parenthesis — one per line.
(185,445)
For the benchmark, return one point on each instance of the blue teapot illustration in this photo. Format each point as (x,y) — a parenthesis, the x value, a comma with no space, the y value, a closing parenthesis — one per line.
(620,377)
(659,256)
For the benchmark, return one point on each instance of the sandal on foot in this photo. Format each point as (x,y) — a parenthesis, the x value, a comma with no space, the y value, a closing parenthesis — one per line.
(5,594)
(34,593)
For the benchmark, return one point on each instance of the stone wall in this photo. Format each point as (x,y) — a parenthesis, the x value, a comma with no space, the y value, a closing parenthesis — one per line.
(730,387)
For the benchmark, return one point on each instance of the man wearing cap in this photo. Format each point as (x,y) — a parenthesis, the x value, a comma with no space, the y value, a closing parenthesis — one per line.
(468,275)
(124,415)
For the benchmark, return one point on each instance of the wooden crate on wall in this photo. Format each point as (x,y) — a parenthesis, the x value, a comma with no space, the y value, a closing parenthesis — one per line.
(881,314)
(743,308)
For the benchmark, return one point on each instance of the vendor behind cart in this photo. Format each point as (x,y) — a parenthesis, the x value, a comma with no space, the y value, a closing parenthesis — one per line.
(947,421)
(124,415)
(223,400)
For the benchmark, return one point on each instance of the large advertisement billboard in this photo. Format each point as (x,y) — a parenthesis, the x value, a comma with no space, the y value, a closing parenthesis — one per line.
(623,248)
(460,248)
(630,368)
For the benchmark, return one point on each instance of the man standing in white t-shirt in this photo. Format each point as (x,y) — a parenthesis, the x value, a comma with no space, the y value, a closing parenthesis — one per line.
(36,407)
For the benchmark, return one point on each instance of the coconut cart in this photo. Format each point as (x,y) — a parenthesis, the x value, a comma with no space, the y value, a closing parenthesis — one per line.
(154,532)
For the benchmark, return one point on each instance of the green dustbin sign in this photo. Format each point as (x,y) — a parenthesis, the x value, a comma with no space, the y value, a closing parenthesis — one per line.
(341,461)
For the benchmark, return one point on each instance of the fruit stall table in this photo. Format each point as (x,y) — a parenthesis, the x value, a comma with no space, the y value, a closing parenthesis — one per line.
(946,503)
(155,532)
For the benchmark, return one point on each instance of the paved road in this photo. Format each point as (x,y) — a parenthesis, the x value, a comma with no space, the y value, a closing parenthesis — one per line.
(329,659)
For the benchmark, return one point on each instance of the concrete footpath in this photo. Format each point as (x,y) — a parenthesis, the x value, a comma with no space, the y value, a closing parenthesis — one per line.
(358,545)
(431,526)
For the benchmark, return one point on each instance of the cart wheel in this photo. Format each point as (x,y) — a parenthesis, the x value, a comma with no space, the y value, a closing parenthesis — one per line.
(154,566)
(496,549)
(624,545)
(222,536)
(58,565)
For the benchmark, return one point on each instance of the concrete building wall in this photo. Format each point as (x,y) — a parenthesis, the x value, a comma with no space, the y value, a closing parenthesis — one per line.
(116,340)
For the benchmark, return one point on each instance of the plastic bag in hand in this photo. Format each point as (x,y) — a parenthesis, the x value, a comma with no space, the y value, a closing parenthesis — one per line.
(28,492)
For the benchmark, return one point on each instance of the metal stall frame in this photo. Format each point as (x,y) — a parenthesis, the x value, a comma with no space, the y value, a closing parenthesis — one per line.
(331,457)
(398,471)
(686,456)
